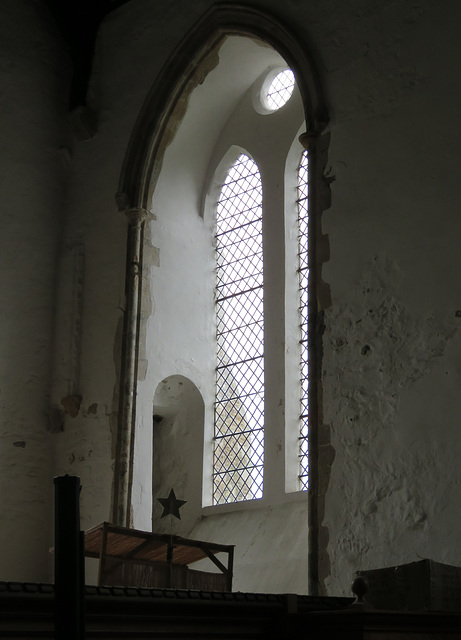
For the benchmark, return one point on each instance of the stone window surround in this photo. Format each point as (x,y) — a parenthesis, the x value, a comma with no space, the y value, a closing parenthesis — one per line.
(136,184)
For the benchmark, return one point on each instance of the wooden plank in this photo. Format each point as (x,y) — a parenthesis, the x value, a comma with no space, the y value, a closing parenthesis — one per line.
(106,540)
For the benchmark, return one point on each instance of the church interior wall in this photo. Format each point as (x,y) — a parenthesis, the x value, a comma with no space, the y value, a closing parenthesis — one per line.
(391,346)
(219,123)
(33,167)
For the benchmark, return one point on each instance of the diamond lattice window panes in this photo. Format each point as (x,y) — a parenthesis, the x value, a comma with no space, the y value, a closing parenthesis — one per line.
(280,89)
(303,270)
(238,463)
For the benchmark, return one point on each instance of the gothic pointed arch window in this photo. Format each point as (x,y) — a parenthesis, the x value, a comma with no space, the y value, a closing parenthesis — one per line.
(238,461)
(252,225)
(303,275)
(177,168)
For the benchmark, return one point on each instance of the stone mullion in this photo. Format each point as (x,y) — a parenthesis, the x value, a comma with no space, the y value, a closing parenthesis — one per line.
(319,298)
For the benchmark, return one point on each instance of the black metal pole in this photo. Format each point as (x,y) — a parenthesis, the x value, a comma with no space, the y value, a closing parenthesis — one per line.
(69,572)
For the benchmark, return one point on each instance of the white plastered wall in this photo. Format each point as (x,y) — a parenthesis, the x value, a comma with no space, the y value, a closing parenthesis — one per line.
(392,343)
(392,412)
(389,70)
(34,72)
(220,122)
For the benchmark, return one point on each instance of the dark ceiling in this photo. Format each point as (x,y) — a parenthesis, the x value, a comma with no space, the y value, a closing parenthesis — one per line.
(79,23)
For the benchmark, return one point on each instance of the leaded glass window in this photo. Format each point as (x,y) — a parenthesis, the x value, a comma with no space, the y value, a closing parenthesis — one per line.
(303,271)
(238,463)
(280,90)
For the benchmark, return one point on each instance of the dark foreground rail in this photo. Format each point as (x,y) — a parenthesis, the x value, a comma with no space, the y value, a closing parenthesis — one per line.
(125,613)
(122,613)
(69,559)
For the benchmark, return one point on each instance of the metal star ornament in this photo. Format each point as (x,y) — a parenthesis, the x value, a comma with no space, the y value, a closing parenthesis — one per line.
(171,505)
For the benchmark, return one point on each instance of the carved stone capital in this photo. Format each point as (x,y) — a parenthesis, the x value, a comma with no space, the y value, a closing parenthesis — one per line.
(136,215)
(307,139)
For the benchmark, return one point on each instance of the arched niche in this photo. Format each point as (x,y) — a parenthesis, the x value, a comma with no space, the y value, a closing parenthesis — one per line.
(178,413)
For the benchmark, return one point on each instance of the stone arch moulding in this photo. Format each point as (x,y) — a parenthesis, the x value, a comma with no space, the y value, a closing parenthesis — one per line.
(205,37)
(139,172)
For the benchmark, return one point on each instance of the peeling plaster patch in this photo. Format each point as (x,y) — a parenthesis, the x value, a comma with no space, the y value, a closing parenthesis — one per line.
(373,349)
(384,515)
(80,456)
(151,254)
(142,368)
(71,405)
(93,408)
(20,443)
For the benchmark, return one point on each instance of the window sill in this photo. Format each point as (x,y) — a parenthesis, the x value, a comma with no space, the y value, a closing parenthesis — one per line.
(253,505)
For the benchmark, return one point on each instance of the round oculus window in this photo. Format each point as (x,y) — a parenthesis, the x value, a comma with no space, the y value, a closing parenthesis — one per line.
(277,89)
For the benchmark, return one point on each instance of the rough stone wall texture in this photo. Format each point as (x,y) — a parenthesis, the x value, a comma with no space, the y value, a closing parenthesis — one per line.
(34,73)
(386,498)
(391,346)
(383,84)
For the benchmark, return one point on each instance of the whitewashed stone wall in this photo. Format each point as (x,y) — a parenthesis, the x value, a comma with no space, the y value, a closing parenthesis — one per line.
(391,345)
(34,73)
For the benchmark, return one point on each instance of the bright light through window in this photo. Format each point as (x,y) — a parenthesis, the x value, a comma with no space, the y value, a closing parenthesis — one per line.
(280,90)
(303,270)
(239,406)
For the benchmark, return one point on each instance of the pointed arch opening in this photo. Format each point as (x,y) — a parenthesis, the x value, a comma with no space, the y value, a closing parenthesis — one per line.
(176,123)
(167,99)
(238,457)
